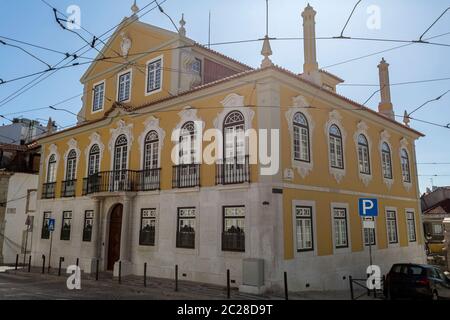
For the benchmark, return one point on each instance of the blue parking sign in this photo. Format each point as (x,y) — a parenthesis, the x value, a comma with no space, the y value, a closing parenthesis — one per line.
(51,224)
(368,207)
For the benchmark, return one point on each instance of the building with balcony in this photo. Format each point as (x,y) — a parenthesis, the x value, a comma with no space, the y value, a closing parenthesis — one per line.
(132,183)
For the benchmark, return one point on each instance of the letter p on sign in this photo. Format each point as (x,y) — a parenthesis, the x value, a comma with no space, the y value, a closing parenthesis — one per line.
(368,207)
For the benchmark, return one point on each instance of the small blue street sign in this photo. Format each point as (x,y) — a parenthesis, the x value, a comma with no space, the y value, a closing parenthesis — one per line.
(51,224)
(368,207)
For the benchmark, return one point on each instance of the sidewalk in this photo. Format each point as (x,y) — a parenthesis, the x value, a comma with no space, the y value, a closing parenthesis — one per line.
(34,285)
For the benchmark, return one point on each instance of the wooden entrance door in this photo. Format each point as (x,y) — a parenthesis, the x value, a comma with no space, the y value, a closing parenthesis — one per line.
(115,229)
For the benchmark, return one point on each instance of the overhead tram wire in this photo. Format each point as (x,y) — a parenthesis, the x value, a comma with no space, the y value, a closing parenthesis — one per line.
(427,102)
(348,20)
(35,46)
(395,83)
(3,101)
(26,51)
(40,78)
(107,59)
(428,29)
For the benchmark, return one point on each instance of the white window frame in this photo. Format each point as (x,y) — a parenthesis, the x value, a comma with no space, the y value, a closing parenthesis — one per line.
(71,166)
(51,178)
(348,248)
(396,244)
(364,158)
(384,138)
(366,245)
(148,93)
(335,119)
(312,205)
(199,72)
(362,129)
(413,212)
(151,153)
(96,162)
(130,71)
(93,96)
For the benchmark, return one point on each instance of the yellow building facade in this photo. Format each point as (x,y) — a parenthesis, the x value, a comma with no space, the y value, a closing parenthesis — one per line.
(120,189)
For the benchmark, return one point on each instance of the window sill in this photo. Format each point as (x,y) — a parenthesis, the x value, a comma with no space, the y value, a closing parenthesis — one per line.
(185,190)
(244,185)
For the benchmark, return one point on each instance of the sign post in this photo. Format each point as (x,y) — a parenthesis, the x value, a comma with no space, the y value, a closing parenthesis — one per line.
(28,224)
(51,228)
(368,208)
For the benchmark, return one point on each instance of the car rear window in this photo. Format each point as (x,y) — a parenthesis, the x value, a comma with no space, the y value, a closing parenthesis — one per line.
(416,270)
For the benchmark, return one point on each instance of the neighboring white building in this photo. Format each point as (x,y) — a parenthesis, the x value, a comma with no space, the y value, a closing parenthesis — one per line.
(21,203)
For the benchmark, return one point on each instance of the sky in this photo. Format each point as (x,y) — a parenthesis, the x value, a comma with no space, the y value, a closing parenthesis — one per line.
(32,21)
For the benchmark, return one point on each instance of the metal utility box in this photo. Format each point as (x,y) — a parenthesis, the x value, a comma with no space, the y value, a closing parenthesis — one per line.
(253,272)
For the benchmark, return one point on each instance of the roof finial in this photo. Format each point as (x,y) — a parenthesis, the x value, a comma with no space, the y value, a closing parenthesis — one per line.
(266,49)
(266,52)
(134,9)
(406,119)
(182,30)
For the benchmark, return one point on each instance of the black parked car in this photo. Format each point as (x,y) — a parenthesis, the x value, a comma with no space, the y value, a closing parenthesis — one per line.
(416,281)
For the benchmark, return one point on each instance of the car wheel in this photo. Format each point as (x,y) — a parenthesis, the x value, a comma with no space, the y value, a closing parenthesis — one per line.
(435,296)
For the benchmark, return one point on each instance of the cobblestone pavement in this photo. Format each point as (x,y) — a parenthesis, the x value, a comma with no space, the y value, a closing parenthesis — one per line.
(20,285)
(23,285)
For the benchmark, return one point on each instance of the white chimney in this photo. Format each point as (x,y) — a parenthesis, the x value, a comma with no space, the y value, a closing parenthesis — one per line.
(309,40)
(385,107)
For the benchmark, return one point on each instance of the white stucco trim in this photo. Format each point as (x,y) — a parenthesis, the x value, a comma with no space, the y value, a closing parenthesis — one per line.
(404,145)
(345,206)
(125,129)
(384,137)
(131,85)
(72,145)
(151,124)
(335,118)
(146,75)
(392,245)
(345,191)
(234,102)
(362,129)
(93,96)
(94,138)
(305,203)
(299,104)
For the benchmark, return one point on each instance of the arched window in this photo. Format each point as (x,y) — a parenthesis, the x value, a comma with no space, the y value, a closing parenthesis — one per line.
(301,137)
(187,143)
(151,150)
(336,151)
(121,153)
(386,160)
(71,169)
(363,154)
(405,166)
(234,136)
(94,160)
(51,169)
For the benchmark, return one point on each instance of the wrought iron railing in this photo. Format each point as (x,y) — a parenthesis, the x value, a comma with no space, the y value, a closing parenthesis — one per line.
(233,170)
(87,234)
(48,190)
(122,180)
(68,188)
(233,241)
(186,176)
(147,237)
(186,239)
